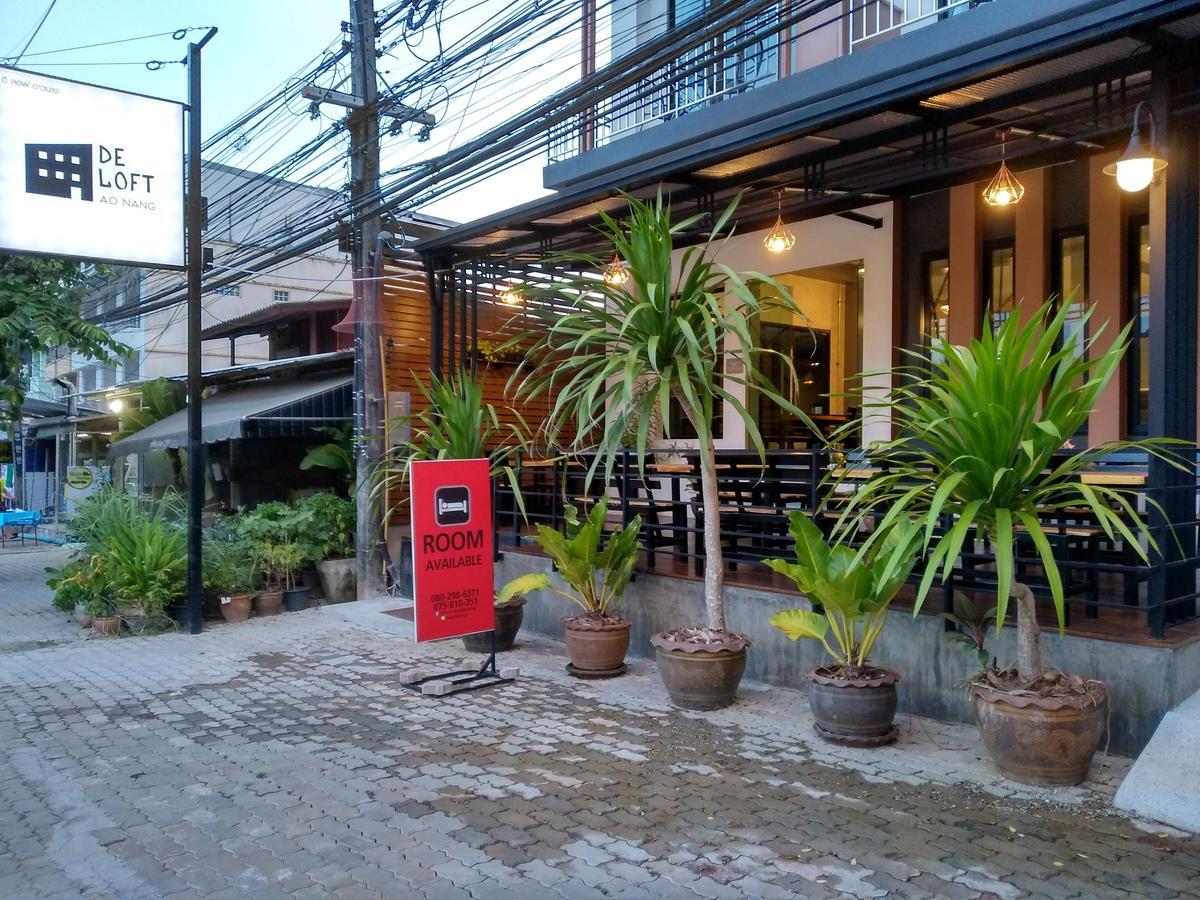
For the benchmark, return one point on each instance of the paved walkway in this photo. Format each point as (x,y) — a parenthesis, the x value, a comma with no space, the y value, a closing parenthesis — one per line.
(281,758)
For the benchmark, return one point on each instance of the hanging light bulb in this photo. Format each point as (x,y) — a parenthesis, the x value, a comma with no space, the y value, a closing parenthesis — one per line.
(1003,189)
(616,273)
(510,296)
(1138,164)
(779,239)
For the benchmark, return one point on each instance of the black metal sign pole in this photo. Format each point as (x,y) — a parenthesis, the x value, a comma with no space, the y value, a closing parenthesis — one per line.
(195,272)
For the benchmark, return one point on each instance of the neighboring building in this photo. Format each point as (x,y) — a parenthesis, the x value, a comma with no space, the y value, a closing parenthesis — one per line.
(870,131)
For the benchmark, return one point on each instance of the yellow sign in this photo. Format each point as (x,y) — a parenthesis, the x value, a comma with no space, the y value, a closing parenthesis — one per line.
(80,477)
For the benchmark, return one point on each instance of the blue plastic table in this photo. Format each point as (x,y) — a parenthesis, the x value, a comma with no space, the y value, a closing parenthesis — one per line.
(19,518)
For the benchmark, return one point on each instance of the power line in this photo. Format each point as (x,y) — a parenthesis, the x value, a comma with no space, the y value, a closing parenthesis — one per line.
(177,34)
(36,29)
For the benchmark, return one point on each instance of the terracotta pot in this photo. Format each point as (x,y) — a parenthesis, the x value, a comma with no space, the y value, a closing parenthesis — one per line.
(134,617)
(236,608)
(854,711)
(508,622)
(597,645)
(1041,740)
(700,676)
(267,603)
(109,626)
(339,579)
(295,599)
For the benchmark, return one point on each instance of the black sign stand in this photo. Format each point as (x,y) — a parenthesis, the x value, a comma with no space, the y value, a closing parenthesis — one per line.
(461,680)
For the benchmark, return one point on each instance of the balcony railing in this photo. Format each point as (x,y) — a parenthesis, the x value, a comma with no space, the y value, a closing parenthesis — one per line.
(1103,577)
(875,20)
(738,60)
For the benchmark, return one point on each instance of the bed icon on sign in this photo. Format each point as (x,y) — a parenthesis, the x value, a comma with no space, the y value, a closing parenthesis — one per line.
(452,505)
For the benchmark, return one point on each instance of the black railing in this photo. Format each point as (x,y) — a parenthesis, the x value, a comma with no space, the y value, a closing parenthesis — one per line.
(1099,572)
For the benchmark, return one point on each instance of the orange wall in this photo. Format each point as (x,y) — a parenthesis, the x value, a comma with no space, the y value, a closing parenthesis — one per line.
(966,248)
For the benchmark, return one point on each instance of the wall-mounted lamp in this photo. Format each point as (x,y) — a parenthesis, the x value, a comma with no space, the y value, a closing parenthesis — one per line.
(116,405)
(1139,163)
(779,239)
(1003,189)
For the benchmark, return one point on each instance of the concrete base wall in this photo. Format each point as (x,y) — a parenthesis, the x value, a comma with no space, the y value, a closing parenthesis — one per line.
(1145,682)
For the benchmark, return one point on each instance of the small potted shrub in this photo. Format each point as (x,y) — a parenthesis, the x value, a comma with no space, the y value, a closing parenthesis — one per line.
(852,700)
(325,525)
(105,621)
(510,612)
(288,558)
(146,564)
(269,600)
(229,570)
(598,638)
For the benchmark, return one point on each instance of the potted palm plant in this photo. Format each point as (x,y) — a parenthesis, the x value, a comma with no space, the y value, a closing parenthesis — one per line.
(852,700)
(979,429)
(509,604)
(598,638)
(146,563)
(230,571)
(622,353)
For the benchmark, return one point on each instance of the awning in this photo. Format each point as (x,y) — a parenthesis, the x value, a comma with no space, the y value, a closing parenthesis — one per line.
(271,409)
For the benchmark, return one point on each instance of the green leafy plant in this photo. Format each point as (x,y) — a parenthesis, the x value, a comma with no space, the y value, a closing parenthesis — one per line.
(323,525)
(979,428)
(581,554)
(853,589)
(522,585)
(616,359)
(280,563)
(230,564)
(146,564)
(337,455)
(69,592)
(971,631)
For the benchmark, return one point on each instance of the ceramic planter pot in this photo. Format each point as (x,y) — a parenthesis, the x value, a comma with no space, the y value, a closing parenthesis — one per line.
(700,675)
(108,626)
(339,579)
(854,711)
(508,622)
(268,603)
(597,647)
(236,608)
(1042,740)
(296,599)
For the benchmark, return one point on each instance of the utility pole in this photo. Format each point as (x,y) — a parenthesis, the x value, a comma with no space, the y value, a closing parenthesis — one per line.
(363,123)
(195,272)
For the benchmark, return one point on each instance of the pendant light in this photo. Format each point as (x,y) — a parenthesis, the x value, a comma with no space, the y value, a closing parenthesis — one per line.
(510,296)
(616,273)
(1138,164)
(779,239)
(1003,189)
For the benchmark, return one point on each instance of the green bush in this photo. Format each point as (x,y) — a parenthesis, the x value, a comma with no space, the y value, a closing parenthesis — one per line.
(147,564)
(325,526)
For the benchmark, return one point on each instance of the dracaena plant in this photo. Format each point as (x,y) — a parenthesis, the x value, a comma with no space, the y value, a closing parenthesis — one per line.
(613,358)
(852,588)
(979,428)
(595,569)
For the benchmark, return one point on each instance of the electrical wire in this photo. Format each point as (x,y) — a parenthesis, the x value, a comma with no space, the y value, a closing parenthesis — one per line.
(37,28)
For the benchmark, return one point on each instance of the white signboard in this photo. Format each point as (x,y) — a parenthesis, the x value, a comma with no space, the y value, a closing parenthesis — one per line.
(89,172)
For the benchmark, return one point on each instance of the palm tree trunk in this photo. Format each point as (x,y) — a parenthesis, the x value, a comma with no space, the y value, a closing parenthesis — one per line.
(1029,634)
(710,500)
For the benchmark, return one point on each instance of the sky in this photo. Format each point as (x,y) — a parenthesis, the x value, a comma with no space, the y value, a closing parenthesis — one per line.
(260,43)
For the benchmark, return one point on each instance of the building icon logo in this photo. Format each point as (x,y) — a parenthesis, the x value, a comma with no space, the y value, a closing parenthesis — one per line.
(59,170)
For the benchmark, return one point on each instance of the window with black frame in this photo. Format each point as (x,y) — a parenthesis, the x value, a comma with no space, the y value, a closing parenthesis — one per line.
(805,383)
(1137,360)
(999,281)
(1068,282)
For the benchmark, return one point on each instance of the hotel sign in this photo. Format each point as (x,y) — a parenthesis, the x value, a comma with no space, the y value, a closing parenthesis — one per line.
(452,548)
(90,173)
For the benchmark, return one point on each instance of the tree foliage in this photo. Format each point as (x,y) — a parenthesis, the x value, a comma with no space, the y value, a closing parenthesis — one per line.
(39,310)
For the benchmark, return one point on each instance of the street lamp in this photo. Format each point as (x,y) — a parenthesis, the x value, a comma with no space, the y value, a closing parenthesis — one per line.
(1138,164)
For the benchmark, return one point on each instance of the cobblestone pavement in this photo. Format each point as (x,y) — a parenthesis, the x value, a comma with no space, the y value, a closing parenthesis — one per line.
(280,758)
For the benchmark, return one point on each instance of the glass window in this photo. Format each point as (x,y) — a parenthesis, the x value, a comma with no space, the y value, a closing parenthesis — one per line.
(805,384)
(1069,284)
(281,296)
(1137,361)
(937,296)
(999,291)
